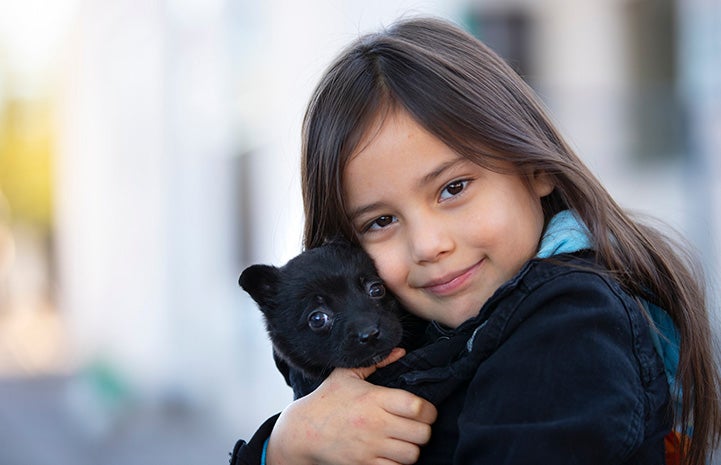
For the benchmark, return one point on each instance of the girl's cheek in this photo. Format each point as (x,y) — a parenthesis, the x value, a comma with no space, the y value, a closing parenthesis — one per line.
(390,270)
(383,260)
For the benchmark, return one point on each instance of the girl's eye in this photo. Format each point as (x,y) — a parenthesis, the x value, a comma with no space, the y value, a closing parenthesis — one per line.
(381,222)
(453,189)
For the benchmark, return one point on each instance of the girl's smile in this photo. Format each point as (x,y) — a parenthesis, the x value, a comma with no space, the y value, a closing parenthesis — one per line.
(451,283)
(444,232)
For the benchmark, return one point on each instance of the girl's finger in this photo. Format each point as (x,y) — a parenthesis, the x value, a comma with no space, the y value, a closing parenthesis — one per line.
(406,405)
(365,372)
(410,431)
(401,452)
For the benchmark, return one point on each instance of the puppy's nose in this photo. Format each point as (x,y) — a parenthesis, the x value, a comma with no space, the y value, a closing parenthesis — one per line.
(368,334)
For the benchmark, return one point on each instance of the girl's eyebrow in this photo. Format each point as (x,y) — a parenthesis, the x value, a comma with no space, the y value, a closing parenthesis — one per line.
(363,210)
(442,168)
(428,178)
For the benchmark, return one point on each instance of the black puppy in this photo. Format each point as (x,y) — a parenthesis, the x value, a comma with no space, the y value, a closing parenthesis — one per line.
(325,308)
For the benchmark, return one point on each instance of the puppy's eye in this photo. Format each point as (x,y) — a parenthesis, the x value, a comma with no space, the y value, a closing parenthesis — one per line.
(376,289)
(319,320)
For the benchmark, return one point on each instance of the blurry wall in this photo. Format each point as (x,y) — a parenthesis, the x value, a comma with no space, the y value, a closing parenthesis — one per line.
(162,138)
(177,166)
(635,86)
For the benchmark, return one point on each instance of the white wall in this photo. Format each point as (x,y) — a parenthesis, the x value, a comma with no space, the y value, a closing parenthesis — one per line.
(166,107)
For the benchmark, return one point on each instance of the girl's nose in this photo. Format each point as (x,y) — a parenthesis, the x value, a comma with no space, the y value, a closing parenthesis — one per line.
(430,239)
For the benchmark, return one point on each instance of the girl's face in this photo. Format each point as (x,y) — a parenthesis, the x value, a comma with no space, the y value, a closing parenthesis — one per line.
(443,232)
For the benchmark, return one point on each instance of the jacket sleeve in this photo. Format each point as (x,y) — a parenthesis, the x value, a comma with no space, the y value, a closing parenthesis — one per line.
(573,380)
(250,453)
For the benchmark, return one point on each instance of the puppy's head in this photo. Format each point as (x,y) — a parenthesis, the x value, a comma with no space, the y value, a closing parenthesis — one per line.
(326,308)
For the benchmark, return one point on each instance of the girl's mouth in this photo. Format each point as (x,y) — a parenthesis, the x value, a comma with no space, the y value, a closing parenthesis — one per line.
(452,282)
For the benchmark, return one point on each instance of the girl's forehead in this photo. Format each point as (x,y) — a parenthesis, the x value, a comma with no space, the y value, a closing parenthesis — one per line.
(400,153)
(369,131)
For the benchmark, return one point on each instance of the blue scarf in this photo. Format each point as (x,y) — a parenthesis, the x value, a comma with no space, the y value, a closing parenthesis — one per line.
(566,233)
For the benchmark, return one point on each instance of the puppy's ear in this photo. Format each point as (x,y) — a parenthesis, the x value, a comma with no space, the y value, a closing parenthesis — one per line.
(261,282)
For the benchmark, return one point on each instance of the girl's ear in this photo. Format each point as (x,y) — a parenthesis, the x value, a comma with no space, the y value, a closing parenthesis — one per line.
(541,183)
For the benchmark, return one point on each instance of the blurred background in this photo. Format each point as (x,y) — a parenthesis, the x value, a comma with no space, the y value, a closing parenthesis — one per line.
(149,151)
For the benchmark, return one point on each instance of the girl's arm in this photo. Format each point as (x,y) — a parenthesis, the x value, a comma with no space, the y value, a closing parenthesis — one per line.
(346,420)
(350,421)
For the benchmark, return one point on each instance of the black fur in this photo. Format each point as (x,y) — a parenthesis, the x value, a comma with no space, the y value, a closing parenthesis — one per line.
(326,308)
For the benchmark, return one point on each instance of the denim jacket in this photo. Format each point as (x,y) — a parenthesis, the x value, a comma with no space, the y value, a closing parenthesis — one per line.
(559,367)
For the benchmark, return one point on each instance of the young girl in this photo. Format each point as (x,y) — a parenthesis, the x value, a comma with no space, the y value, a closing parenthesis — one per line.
(554,318)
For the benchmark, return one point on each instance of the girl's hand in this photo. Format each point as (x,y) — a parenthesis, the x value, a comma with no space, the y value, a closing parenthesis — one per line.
(348,420)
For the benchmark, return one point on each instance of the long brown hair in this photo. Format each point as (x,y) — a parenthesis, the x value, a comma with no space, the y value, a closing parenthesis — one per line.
(466,96)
